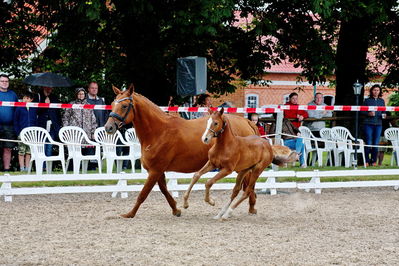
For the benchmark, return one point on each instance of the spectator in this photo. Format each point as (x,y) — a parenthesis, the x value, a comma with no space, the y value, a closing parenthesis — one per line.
(204,100)
(291,142)
(7,121)
(372,123)
(298,115)
(24,117)
(255,119)
(48,118)
(92,98)
(317,125)
(83,118)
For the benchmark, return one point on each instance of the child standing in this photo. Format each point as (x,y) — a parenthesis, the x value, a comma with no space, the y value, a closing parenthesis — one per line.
(24,117)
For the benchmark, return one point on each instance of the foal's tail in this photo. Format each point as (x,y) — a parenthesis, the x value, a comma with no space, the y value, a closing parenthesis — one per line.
(283,155)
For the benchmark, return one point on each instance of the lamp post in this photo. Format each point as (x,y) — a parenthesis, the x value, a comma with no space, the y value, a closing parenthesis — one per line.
(357,89)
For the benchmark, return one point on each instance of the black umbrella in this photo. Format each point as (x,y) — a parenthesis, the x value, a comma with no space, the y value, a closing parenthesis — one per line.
(48,79)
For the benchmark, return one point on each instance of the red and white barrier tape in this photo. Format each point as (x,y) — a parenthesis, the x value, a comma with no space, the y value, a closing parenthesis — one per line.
(205,109)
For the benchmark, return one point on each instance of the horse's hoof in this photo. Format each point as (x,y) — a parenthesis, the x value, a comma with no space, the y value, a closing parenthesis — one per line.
(253,212)
(185,205)
(177,213)
(126,215)
(217,217)
(225,217)
(211,202)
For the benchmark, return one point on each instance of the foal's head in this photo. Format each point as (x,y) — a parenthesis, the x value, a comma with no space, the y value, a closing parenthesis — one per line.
(122,110)
(215,125)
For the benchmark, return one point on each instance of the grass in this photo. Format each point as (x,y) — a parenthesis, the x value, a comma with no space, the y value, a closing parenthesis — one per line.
(385,165)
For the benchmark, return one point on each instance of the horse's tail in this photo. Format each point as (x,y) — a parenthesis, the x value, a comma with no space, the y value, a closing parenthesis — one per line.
(283,155)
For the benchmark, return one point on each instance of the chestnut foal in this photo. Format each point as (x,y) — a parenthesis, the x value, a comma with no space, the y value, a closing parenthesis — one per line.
(248,156)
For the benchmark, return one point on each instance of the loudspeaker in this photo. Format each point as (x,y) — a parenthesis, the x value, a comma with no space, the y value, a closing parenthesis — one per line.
(191,76)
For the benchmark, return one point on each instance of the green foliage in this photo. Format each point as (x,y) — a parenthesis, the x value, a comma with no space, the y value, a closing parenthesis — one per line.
(118,42)
(18,30)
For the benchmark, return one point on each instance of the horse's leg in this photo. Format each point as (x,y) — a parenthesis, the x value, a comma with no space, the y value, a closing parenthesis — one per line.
(252,195)
(252,201)
(234,193)
(222,173)
(205,169)
(169,198)
(249,189)
(149,184)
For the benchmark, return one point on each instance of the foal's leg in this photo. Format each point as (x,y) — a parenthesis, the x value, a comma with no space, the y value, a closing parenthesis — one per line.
(205,169)
(252,196)
(234,193)
(169,198)
(252,180)
(222,173)
(149,184)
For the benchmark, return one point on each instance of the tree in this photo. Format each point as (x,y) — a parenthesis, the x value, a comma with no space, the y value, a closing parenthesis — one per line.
(327,37)
(119,42)
(19,27)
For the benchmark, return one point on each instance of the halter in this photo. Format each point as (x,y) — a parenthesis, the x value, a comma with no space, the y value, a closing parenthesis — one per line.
(217,133)
(120,118)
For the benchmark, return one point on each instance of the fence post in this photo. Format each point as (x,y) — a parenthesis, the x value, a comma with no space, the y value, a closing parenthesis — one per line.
(121,182)
(6,186)
(172,185)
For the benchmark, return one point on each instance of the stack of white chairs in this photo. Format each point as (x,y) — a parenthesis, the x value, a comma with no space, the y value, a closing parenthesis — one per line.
(345,146)
(310,142)
(135,147)
(109,144)
(329,146)
(392,134)
(75,138)
(36,138)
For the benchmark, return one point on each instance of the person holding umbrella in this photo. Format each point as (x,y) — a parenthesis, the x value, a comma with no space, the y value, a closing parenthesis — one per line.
(48,118)
(7,121)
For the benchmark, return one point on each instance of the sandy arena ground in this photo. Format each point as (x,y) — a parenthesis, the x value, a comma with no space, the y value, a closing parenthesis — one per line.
(340,226)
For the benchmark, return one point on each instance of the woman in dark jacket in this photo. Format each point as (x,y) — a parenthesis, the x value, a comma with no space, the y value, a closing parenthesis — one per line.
(372,123)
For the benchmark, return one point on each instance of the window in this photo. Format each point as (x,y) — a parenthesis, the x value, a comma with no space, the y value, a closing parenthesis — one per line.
(251,100)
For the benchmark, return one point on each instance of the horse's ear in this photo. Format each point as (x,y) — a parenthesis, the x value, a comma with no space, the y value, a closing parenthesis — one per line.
(116,90)
(210,111)
(221,111)
(131,88)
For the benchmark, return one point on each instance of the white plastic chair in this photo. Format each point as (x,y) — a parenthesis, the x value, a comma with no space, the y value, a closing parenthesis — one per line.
(392,134)
(135,147)
(310,142)
(345,146)
(108,143)
(74,138)
(329,146)
(35,138)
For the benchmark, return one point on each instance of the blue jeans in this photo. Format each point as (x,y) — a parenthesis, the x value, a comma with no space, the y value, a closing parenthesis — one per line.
(297,145)
(372,135)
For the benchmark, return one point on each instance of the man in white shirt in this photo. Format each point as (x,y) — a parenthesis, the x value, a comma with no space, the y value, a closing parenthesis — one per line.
(316,126)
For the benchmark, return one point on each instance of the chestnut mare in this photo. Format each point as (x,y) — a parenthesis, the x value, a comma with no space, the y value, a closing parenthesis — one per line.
(250,154)
(168,143)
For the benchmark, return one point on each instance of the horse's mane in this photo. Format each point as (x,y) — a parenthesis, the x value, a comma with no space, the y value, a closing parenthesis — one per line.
(149,104)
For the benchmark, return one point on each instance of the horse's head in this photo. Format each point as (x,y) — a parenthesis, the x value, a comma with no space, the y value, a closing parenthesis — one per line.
(122,110)
(215,125)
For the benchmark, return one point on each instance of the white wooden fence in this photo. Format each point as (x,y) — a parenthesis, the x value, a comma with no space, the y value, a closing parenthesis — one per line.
(7,190)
